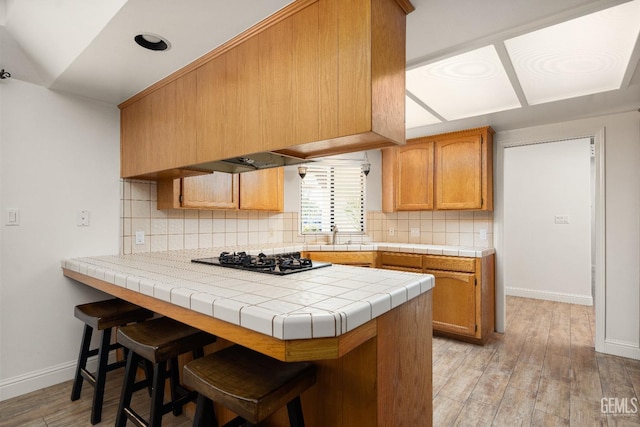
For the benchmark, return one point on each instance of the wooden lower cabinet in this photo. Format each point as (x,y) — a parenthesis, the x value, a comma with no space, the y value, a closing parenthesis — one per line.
(359,259)
(464,292)
(455,307)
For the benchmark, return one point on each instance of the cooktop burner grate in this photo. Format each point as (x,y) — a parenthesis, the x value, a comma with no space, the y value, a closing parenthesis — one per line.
(281,264)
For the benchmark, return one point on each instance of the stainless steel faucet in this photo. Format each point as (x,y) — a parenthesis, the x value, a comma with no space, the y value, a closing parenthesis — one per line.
(334,231)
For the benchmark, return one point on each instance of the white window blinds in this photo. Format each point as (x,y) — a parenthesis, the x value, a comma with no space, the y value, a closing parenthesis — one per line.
(332,194)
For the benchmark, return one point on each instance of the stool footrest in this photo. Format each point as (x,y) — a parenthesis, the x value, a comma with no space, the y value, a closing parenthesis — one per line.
(135,418)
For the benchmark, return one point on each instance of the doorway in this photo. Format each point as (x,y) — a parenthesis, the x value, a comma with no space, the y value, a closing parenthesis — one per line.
(548,221)
(529,136)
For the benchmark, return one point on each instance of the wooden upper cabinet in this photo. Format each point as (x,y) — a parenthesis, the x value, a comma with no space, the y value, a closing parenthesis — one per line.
(262,190)
(451,171)
(157,132)
(464,170)
(459,173)
(218,190)
(259,190)
(318,77)
(414,178)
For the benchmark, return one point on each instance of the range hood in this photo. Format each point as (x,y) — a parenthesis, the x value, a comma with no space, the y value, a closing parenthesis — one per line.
(250,163)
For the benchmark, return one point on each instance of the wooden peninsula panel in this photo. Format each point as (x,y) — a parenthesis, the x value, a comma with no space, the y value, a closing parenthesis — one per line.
(374,375)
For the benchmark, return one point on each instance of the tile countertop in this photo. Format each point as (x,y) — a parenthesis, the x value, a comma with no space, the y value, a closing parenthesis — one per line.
(416,248)
(325,302)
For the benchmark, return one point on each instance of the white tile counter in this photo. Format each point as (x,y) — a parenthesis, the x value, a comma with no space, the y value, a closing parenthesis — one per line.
(324,302)
(458,251)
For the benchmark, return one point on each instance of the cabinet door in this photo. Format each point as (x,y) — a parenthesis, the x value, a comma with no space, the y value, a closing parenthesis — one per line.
(216,190)
(454,302)
(414,177)
(262,190)
(458,173)
(158,131)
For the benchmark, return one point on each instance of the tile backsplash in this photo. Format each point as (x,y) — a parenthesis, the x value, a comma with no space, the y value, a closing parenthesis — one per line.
(175,229)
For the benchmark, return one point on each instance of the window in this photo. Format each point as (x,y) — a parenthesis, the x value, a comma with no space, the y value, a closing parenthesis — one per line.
(332,194)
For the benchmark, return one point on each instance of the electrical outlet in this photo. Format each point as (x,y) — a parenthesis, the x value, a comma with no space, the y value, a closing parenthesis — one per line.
(415,232)
(562,219)
(83,218)
(483,234)
(392,231)
(139,237)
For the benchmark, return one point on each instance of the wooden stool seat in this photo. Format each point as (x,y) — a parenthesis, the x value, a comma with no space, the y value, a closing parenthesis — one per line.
(101,316)
(159,341)
(110,313)
(248,383)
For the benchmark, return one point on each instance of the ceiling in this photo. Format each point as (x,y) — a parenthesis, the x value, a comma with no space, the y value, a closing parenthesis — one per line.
(86,47)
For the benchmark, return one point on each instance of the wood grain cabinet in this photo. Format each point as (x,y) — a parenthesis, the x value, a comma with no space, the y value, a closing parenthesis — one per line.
(262,190)
(451,171)
(157,132)
(318,77)
(259,190)
(359,258)
(464,292)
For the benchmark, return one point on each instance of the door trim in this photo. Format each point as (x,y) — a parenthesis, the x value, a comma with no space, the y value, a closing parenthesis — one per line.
(541,135)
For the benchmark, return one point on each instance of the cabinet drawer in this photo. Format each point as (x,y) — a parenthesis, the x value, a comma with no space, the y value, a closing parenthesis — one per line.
(389,259)
(435,262)
(361,259)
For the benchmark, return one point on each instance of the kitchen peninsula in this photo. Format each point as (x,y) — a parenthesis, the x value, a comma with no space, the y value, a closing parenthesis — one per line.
(368,331)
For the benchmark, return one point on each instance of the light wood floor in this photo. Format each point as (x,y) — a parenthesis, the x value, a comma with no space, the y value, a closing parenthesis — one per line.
(542,372)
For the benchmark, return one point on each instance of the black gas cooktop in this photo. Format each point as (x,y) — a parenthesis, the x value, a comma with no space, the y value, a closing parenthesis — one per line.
(280,264)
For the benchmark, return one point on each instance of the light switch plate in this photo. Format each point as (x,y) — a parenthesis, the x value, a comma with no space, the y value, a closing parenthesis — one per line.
(139,237)
(12,217)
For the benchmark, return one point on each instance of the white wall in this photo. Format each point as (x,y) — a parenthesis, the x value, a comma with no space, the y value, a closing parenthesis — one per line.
(618,279)
(59,154)
(543,259)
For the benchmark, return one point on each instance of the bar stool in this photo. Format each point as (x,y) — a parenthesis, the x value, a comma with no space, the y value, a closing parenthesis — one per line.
(248,383)
(101,316)
(159,341)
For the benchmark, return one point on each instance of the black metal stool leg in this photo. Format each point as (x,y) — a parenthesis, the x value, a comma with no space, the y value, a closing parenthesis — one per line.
(205,415)
(100,376)
(294,408)
(127,388)
(82,362)
(157,395)
(174,383)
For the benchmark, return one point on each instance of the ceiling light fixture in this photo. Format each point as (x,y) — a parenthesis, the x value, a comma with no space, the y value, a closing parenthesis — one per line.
(465,85)
(152,41)
(586,55)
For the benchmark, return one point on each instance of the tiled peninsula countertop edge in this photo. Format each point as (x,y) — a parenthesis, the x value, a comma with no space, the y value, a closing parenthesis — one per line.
(320,303)
(458,251)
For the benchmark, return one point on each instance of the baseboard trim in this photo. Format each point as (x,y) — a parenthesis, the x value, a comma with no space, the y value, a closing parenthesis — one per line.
(550,296)
(41,378)
(622,349)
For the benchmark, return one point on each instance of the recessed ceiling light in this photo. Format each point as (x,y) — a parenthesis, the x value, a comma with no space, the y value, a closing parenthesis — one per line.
(152,41)
(417,116)
(465,85)
(579,57)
